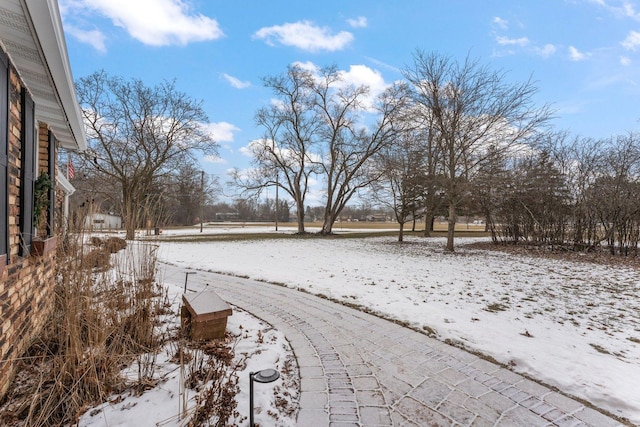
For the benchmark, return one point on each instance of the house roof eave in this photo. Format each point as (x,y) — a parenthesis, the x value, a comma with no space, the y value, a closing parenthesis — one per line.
(31,32)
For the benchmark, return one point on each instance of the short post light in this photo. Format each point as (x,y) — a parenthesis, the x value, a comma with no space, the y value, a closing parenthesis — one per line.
(264,376)
(186,278)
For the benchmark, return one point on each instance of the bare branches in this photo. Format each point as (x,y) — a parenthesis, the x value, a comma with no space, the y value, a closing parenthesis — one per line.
(139,134)
(471,109)
(318,129)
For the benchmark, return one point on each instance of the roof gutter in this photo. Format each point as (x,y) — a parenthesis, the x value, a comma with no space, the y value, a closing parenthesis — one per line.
(47,25)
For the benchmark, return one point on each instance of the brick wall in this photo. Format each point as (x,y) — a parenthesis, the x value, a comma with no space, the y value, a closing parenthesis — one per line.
(27,282)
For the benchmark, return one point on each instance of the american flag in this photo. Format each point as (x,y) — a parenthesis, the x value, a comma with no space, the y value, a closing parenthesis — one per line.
(71,172)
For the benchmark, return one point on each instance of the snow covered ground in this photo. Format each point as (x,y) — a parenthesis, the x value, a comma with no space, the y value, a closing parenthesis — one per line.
(227,228)
(256,345)
(572,325)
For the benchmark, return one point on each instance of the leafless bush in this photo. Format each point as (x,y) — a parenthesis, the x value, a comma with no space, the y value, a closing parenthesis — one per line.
(115,244)
(96,259)
(101,322)
(213,372)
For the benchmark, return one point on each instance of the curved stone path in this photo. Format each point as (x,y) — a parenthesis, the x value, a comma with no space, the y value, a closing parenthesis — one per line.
(360,370)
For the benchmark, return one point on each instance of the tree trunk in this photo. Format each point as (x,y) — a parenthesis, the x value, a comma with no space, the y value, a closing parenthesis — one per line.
(401,232)
(130,222)
(429,219)
(451,226)
(327,227)
(129,216)
(300,217)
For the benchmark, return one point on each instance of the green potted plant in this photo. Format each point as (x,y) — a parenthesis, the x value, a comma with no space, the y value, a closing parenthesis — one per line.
(40,198)
(40,202)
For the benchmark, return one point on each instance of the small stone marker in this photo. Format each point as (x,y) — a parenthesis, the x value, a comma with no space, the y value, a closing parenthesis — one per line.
(204,315)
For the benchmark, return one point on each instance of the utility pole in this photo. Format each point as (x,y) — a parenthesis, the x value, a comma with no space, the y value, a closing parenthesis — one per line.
(277,185)
(202,199)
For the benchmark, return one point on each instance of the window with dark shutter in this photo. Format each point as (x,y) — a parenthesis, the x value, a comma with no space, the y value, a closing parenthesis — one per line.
(28,171)
(51,152)
(4,149)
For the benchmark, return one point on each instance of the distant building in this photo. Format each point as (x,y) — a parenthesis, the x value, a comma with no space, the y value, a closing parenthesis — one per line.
(227,216)
(98,221)
(377,218)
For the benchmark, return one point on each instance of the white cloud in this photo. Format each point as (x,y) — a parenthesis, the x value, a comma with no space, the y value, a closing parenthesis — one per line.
(625,10)
(545,51)
(505,41)
(94,38)
(305,35)
(308,66)
(384,65)
(500,23)
(362,75)
(359,22)
(67,7)
(576,55)
(632,41)
(235,82)
(357,75)
(247,150)
(215,159)
(625,60)
(630,11)
(258,147)
(221,131)
(152,22)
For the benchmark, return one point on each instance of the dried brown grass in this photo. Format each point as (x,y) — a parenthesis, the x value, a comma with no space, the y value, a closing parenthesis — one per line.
(104,319)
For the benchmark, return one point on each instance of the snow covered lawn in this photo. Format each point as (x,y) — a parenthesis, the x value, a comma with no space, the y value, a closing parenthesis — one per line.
(256,346)
(572,325)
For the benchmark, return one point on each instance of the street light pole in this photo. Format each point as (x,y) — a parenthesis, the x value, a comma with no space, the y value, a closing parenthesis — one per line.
(277,184)
(201,195)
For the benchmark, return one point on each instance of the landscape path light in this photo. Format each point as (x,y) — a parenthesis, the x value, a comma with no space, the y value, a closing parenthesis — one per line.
(264,376)
(186,278)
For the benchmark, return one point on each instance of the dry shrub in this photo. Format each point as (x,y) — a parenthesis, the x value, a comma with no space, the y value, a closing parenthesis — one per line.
(211,371)
(98,259)
(111,245)
(115,244)
(103,321)
(99,325)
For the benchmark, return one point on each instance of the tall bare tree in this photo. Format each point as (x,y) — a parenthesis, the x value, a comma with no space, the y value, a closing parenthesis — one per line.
(284,155)
(616,191)
(349,146)
(433,178)
(473,108)
(138,134)
(401,187)
(189,195)
(314,130)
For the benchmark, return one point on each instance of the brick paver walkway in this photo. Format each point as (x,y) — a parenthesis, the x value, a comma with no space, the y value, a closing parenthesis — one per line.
(360,370)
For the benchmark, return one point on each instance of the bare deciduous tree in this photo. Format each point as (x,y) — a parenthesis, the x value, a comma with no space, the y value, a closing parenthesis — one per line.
(316,129)
(349,146)
(138,135)
(284,155)
(473,107)
(401,187)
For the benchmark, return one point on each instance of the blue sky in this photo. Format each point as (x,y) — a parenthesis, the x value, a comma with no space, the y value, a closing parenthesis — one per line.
(583,54)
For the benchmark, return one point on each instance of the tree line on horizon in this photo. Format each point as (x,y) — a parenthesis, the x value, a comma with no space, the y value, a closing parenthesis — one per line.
(454,137)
